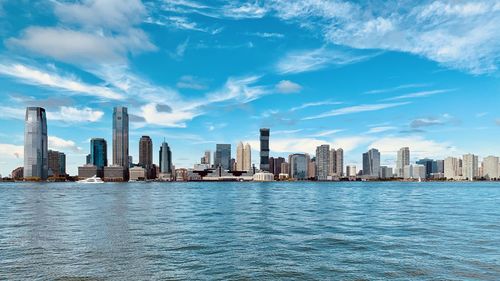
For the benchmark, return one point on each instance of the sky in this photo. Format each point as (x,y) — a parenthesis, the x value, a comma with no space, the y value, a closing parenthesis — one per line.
(352,74)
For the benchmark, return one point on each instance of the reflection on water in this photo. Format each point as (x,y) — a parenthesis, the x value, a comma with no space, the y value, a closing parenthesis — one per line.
(301,231)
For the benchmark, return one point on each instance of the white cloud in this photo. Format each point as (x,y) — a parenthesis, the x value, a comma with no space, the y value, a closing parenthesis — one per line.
(419,94)
(310,60)
(288,87)
(11,151)
(268,34)
(419,146)
(327,133)
(355,109)
(176,118)
(191,82)
(63,145)
(381,129)
(314,104)
(244,11)
(70,84)
(72,114)
(394,89)
(238,89)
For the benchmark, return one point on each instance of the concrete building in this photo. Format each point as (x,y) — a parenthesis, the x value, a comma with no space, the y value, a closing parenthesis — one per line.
(311,168)
(36,161)
(430,166)
(285,168)
(89,171)
(414,171)
(98,152)
(57,163)
(322,162)
(137,173)
(120,137)
(145,152)
(339,162)
(206,158)
(298,166)
(452,168)
(470,165)
(332,165)
(277,165)
(386,172)
(402,161)
(351,171)
(223,156)
(371,163)
(17,173)
(439,167)
(116,173)
(263,176)
(243,157)
(264,149)
(490,168)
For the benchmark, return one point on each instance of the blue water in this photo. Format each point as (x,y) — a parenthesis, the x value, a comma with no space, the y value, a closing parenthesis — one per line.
(258,231)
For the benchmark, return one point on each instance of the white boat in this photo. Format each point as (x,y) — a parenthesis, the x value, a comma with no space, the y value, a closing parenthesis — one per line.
(93,179)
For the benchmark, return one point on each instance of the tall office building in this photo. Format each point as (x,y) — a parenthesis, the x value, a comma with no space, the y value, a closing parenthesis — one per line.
(402,160)
(430,166)
(339,162)
(371,163)
(120,137)
(98,152)
(264,149)
(298,166)
(351,171)
(490,167)
(322,162)
(440,166)
(311,168)
(243,157)
(165,159)
(36,162)
(452,168)
(277,166)
(145,152)
(223,156)
(206,158)
(333,163)
(57,163)
(470,166)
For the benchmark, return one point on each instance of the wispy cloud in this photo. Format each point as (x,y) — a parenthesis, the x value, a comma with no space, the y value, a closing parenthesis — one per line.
(60,144)
(327,133)
(381,129)
(314,104)
(64,114)
(288,87)
(355,109)
(191,82)
(267,34)
(69,84)
(397,88)
(310,60)
(419,94)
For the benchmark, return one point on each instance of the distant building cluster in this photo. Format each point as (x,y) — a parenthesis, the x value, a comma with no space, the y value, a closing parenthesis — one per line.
(327,164)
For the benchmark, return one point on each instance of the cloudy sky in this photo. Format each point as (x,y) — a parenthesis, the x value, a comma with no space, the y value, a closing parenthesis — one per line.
(353,74)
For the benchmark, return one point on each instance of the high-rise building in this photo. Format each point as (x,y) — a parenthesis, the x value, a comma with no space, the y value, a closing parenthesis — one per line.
(311,168)
(402,160)
(430,166)
(145,152)
(57,163)
(98,152)
(243,157)
(339,162)
(351,171)
(277,165)
(371,163)
(470,166)
(120,136)
(452,168)
(205,159)
(439,166)
(223,156)
(414,171)
(165,159)
(333,163)
(386,172)
(322,162)
(36,164)
(285,168)
(264,149)
(490,167)
(298,166)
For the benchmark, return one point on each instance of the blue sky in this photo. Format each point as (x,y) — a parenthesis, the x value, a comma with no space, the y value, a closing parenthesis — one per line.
(353,74)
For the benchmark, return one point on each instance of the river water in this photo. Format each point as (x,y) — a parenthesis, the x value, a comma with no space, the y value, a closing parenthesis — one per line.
(250,231)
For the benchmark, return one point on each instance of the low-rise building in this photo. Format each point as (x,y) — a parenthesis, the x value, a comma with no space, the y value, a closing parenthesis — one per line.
(137,173)
(116,173)
(88,171)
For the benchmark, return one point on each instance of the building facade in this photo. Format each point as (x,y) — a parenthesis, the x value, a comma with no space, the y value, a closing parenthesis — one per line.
(36,161)
(298,166)
(145,152)
(223,156)
(490,167)
(98,152)
(165,159)
(470,165)
(402,161)
(371,163)
(322,162)
(452,168)
(243,157)
(57,163)
(120,137)
(264,149)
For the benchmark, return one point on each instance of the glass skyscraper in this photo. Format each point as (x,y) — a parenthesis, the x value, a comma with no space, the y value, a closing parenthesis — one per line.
(120,136)
(371,163)
(98,152)
(264,149)
(36,163)
(223,156)
(145,152)
(165,159)
(298,166)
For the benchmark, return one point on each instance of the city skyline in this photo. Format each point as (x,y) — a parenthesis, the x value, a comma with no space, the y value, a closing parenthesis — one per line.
(216,73)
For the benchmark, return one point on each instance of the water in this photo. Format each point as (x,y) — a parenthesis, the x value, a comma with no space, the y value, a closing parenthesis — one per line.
(258,231)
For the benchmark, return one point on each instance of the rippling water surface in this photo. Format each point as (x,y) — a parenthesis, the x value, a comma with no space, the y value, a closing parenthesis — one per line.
(258,231)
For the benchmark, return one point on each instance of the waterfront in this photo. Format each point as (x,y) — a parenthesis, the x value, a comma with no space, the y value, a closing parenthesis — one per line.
(301,231)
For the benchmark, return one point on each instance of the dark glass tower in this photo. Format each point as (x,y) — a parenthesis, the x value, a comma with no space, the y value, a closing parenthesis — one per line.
(264,149)
(36,160)
(165,159)
(145,152)
(223,156)
(98,152)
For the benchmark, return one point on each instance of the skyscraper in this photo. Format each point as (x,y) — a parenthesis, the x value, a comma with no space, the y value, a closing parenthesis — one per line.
(339,162)
(243,157)
(206,158)
(165,159)
(223,156)
(98,152)
(452,169)
(333,164)
(120,136)
(57,163)
(402,161)
(145,152)
(277,166)
(470,166)
(490,167)
(322,162)
(371,163)
(36,163)
(298,166)
(430,166)
(264,149)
